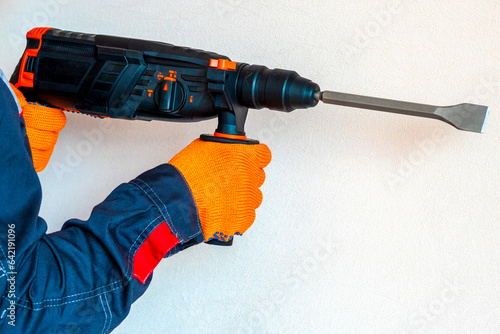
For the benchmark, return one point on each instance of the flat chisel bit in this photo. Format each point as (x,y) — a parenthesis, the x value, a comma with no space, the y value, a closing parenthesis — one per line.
(466,116)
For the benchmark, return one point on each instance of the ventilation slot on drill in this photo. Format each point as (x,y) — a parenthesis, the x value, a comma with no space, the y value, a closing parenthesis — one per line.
(105,81)
(109,75)
(75,49)
(113,67)
(30,64)
(103,86)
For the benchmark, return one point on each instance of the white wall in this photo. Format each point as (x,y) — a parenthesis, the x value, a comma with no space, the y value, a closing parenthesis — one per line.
(371,222)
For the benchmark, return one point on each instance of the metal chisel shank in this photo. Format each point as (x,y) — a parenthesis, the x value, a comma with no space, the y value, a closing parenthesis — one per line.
(468,117)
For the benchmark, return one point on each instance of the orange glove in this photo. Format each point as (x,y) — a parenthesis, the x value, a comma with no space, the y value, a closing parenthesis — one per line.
(42,127)
(225,181)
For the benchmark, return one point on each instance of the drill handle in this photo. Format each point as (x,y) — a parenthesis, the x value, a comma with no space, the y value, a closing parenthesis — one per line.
(231,128)
(231,113)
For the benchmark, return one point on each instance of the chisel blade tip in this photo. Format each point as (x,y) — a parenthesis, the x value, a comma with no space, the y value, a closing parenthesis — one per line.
(466,116)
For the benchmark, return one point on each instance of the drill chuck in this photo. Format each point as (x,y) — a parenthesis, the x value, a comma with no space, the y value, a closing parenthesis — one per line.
(260,87)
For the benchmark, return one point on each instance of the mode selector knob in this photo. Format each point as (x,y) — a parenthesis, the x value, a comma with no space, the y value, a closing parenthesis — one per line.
(171,95)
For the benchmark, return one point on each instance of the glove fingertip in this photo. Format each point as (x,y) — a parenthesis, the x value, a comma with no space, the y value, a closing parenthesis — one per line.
(259,197)
(264,155)
(44,118)
(59,120)
(41,158)
(260,177)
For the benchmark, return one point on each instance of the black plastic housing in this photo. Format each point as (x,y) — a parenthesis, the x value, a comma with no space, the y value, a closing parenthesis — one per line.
(137,79)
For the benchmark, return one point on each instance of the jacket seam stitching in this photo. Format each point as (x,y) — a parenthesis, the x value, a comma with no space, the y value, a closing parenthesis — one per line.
(110,313)
(156,203)
(120,282)
(105,315)
(192,197)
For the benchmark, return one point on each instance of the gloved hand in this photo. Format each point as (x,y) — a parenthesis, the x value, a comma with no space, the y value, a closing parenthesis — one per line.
(225,181)
(42,127)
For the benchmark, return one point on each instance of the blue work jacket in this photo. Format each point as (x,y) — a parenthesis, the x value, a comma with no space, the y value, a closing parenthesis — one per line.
(85,277)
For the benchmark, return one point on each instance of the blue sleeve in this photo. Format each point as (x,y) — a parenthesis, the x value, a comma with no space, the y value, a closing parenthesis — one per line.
(85,277)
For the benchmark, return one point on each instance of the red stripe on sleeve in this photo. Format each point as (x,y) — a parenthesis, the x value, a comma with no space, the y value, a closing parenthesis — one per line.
(154,248)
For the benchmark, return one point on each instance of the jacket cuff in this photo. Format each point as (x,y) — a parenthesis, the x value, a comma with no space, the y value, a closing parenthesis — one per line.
(175,202)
